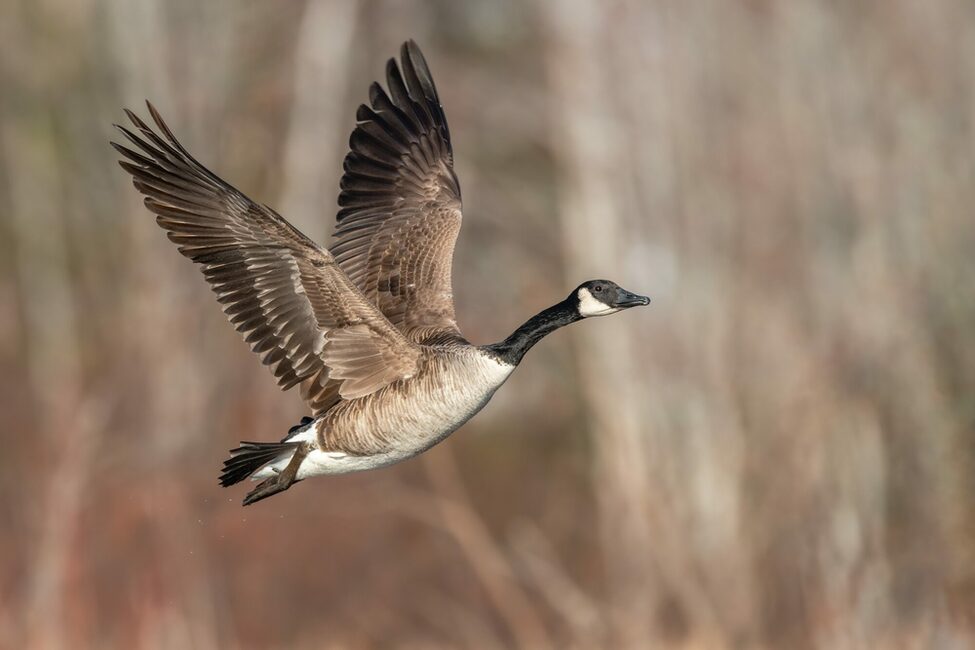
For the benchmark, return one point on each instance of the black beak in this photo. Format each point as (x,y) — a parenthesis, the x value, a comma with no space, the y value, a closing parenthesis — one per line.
(626,299)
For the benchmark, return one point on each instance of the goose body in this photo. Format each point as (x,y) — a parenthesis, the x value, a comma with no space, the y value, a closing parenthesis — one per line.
(455,382)
(366,329)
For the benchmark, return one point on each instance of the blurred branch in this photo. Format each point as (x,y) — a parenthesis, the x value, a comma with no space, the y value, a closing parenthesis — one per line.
(583,138)
(460,519)
(67,418)
(581,614)
(325,39)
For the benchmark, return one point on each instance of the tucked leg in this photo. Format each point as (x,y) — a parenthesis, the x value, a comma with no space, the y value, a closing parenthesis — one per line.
(282,481)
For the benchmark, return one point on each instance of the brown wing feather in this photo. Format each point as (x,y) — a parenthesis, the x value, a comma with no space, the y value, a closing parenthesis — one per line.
(282,291)
(362,374)
(400,202)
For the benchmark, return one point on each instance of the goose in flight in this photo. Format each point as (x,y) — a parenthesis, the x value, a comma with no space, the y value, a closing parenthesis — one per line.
(365,329)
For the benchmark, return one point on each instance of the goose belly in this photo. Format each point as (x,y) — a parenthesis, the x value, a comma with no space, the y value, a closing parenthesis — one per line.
(406,419)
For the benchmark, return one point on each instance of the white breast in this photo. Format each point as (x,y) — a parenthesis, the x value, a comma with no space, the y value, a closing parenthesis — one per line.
(458,387)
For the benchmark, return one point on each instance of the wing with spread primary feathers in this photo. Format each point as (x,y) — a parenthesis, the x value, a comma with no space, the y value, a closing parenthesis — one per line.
(400,207)
(285,294)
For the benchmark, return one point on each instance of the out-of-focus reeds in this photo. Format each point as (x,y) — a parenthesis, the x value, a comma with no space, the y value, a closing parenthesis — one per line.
(778,453)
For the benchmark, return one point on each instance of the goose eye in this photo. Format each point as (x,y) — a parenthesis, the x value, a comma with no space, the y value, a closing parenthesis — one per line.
(598,288)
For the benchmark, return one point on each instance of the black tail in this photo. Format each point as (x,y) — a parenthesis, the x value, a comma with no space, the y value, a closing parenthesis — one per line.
(250,457)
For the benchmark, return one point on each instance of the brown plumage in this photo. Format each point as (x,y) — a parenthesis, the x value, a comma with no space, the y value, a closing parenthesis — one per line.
(281,290)
(400,202)
(367,330)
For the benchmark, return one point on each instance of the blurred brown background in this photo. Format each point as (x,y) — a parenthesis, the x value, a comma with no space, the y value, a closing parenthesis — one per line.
(778,453)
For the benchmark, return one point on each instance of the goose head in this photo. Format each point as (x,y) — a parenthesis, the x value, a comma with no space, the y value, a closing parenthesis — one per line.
(603,297)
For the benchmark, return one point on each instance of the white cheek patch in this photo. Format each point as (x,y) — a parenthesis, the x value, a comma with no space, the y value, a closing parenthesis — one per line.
(590,306)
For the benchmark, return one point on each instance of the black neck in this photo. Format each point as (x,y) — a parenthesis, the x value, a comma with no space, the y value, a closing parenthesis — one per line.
(512,349)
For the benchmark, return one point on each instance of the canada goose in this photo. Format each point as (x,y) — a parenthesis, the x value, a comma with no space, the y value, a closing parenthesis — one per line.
(367,328)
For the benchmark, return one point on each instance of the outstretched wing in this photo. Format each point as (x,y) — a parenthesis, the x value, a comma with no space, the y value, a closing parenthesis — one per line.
(400,208)
(286,295)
